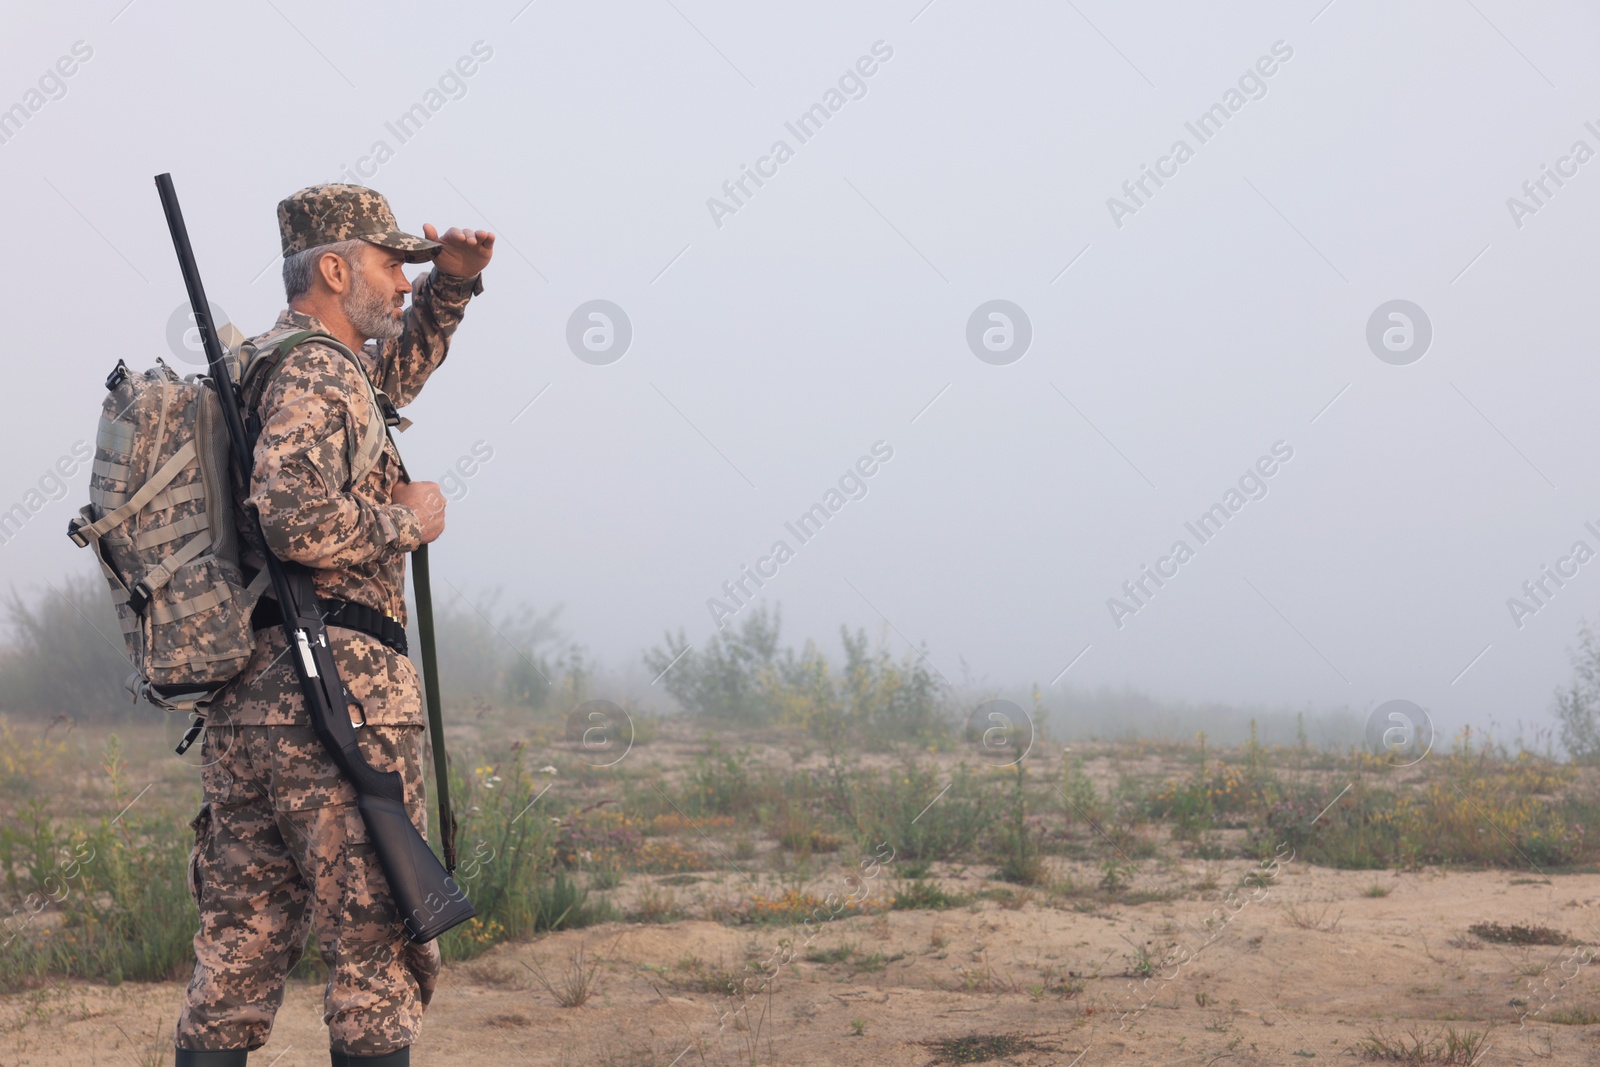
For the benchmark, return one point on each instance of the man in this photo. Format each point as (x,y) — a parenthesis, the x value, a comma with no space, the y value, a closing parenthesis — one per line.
(280,848)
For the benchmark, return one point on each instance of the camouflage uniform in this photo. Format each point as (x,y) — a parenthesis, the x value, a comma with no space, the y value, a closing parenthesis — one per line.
(280,848)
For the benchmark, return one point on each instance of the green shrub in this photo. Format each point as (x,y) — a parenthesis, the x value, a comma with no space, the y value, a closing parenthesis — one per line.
(889,702)
(1021,860)
(720,784)
(919,817)
(741,675)
(508,866)
(721,678)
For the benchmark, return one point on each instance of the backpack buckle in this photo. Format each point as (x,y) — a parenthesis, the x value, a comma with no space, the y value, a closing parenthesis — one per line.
(139,596)
(77,538)
(118,375)
(391,414)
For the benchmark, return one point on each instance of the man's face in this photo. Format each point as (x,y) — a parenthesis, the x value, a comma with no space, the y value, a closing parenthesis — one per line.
(375,301)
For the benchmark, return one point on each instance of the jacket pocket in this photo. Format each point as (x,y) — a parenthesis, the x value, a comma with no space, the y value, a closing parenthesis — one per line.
(201,824)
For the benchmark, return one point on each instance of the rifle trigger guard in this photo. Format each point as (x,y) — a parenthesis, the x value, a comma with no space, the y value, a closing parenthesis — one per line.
(349,699)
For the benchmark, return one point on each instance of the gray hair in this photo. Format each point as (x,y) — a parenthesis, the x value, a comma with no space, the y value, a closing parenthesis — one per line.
(298,266)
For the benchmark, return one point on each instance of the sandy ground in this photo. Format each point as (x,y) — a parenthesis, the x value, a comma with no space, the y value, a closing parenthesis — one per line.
(1305,974)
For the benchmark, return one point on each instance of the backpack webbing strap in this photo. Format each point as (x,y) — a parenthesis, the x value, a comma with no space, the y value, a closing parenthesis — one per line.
(159,575)
(260,583)
(218,595)
(192,657)
(116,472)
(119,590)
(179,495)
(83,533)
(160,535)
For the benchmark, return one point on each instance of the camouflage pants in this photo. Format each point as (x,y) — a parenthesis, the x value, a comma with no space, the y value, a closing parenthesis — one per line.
(280,849)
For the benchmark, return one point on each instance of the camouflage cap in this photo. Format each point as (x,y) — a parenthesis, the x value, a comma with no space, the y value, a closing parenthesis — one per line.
(327,214)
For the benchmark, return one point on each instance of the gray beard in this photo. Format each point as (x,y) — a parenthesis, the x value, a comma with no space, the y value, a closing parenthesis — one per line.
(370,311)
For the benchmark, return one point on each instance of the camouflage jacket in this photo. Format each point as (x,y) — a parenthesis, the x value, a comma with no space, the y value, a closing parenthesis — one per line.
(351,535)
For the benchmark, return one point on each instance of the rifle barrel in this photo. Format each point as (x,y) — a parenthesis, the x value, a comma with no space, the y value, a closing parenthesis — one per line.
(202,319)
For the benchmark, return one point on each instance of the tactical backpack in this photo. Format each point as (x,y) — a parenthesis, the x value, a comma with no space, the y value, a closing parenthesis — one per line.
(160,519)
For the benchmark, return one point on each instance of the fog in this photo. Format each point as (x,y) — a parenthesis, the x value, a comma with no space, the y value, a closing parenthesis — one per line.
(1167,342)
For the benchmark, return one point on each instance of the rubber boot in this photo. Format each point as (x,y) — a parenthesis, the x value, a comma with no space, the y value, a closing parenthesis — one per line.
(400,1057)
(228,1057)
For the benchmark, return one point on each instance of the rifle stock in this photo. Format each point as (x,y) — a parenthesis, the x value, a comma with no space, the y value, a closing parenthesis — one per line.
(429,900)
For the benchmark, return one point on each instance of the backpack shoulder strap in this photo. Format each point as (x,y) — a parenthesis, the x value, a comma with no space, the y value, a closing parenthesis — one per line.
(262,360)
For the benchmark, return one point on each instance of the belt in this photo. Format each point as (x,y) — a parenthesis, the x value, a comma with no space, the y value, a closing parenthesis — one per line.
(345,613)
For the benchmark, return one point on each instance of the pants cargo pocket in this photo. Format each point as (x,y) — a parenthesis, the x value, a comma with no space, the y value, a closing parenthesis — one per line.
(424,962)
(201,825)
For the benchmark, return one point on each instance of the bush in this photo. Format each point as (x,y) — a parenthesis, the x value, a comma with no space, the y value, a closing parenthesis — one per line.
(741,675)
(1471,809)
(721,679)
(26,767)
(65,656)
(919,894)
(1020,858)
(1578,707)
(720,784)
(508,864)
(890,702)
(906,809)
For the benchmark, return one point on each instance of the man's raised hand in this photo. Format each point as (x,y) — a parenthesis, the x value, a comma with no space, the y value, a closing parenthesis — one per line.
(465,252)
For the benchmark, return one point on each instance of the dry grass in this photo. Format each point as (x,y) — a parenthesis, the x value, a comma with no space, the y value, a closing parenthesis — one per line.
(1452,1049)
(496,975)
(1307,918)
(694,975)
(981,978)
(654,904)
(574,985)
(153,1049)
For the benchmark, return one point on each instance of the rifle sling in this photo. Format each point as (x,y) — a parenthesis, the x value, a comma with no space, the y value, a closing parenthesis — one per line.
(430,687)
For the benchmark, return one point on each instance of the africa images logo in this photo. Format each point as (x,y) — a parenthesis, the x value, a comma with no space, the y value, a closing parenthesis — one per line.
(852,85)
(52,486)
(852,485)
(51,85)
(1252,485)
(451,85)
(1252,85)
(999,332)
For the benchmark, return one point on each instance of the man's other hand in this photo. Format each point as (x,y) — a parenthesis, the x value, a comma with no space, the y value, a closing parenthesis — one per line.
(427,501)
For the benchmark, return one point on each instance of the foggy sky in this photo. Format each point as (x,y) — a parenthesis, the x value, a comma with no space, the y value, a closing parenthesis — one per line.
(773,345)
